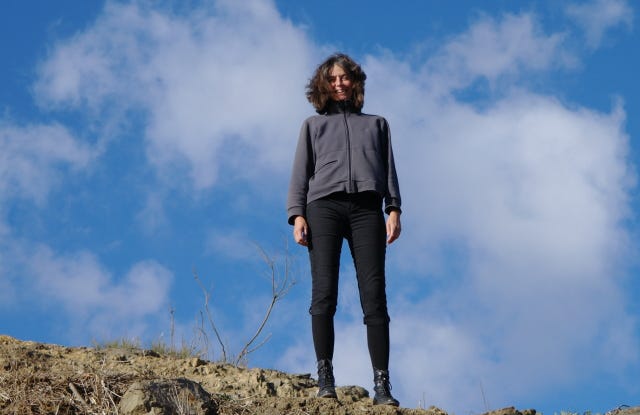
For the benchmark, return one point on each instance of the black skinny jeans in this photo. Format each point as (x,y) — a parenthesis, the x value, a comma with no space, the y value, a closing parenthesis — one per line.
(359,219)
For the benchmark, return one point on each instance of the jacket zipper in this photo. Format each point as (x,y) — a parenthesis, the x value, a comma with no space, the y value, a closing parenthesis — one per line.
(346,128)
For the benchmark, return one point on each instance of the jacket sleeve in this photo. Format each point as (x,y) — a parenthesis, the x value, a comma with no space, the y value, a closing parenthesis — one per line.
(303,168)
(392,199)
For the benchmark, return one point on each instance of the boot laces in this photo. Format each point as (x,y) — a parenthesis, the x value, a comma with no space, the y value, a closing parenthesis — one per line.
(382,382)
(325,373)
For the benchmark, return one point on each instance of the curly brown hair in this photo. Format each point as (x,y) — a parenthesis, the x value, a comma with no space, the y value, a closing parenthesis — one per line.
(319,89)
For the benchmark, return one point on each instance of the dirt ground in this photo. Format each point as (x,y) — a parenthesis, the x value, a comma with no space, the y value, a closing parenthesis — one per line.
(38,378)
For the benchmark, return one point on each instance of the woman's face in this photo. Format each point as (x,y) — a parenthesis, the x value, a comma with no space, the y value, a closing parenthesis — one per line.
(341,85)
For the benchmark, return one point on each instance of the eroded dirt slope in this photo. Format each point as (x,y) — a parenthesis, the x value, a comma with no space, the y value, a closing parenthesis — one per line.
(38,378)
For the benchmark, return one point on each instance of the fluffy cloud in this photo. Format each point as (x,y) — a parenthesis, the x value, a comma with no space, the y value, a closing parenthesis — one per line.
(218,85)
(495,50)
(96,298)
(33,159)
(231,243)
(599,16)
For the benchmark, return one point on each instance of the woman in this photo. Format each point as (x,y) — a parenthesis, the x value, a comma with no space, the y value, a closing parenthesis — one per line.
(342,172)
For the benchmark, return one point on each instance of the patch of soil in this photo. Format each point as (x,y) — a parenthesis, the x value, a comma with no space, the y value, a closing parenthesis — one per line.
(38,378)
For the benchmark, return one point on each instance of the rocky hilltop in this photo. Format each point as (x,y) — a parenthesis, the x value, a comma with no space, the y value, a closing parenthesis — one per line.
(38,378)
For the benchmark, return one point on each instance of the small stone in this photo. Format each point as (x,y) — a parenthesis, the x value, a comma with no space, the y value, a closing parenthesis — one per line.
(196,362)
(166,397)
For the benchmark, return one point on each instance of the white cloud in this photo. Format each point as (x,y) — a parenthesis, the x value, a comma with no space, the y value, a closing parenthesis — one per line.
(493,50)
(599,16)
(219,86)
(153,216)
(33,162)
(527,175)
(33,158)
(93,298)
(231,243)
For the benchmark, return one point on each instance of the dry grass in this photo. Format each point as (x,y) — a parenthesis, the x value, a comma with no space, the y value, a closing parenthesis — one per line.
(38,393)
(49,379)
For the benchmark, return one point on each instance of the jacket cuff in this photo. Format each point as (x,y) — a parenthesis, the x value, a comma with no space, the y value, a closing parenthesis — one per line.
(392,205)
(295,211)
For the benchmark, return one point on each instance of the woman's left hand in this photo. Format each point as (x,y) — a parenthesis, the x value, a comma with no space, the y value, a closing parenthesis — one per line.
(393,226)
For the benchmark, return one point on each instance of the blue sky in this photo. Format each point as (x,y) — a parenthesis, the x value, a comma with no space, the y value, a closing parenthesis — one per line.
(140,141)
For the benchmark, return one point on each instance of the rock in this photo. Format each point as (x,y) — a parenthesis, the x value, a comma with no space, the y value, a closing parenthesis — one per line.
(196,362)
(151,353)
(512,411)
(625,410)
(352,393)
(167,397)
(4,339)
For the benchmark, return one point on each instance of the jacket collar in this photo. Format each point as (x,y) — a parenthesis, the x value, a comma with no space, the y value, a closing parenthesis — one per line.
(339,107)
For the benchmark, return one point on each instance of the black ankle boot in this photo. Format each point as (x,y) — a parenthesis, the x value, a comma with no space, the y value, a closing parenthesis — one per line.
(382,388)
(326,381)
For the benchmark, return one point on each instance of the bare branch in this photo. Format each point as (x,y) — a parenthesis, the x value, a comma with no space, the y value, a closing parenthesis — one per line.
(209,315)
(279,288)
(77,395)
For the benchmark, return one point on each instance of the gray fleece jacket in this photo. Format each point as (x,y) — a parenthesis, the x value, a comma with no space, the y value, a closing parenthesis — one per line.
(342,151)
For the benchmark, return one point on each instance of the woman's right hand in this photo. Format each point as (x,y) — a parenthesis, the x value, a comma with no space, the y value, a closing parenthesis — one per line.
(300,231)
